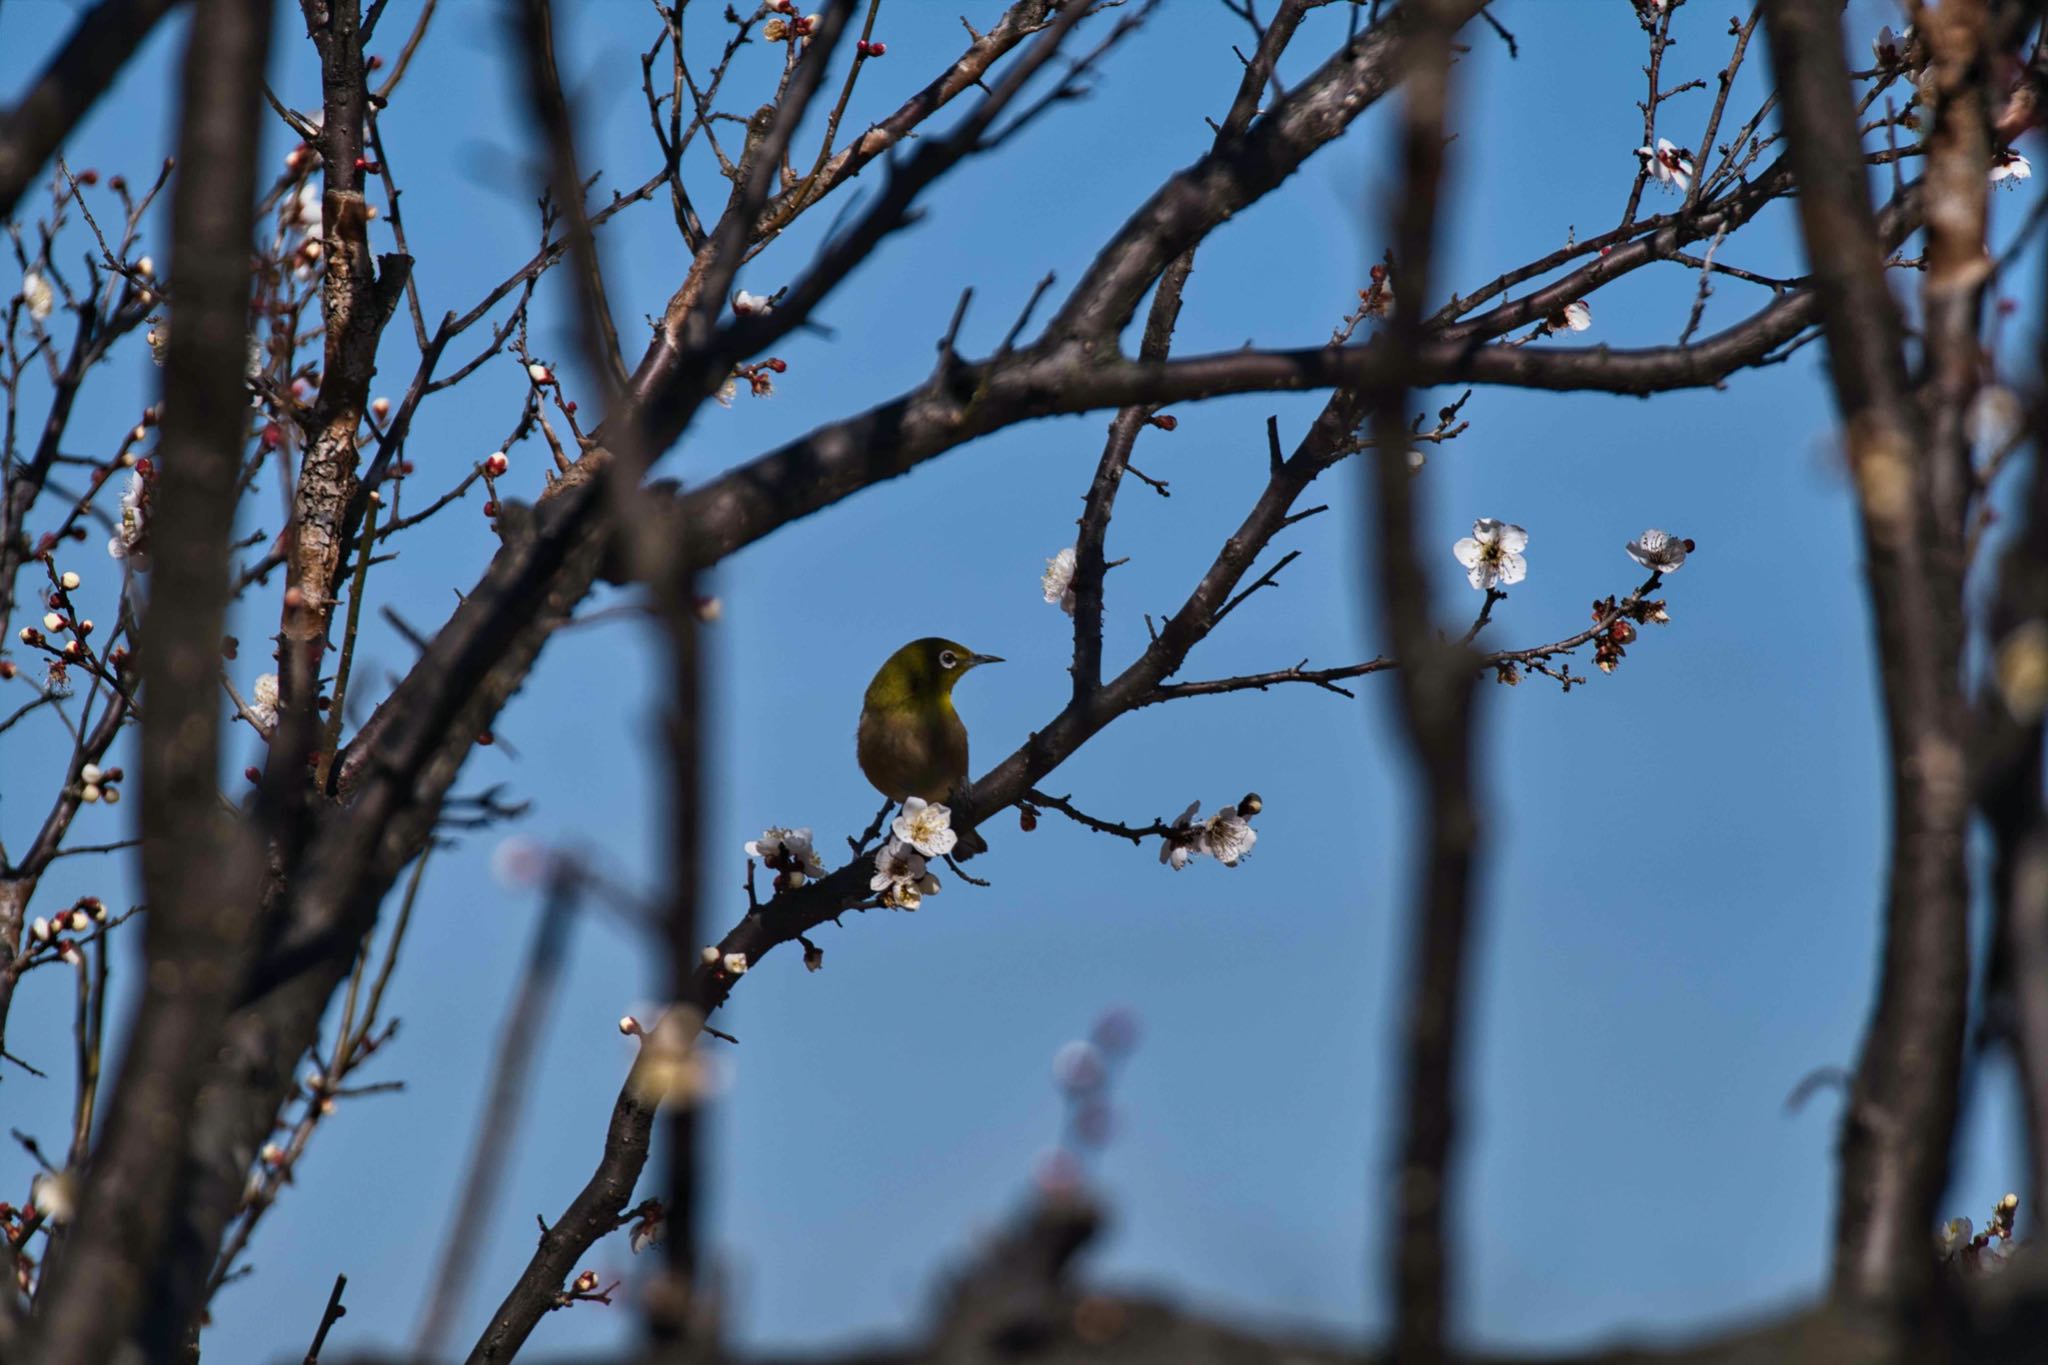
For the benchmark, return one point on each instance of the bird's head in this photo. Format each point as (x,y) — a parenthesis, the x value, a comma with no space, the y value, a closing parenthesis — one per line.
(924,670)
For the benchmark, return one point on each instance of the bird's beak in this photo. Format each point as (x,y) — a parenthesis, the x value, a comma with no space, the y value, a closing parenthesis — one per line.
(979,659)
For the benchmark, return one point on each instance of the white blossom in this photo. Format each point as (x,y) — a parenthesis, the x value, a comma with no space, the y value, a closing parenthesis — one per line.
(1672,165)
(746,304)
(1228,836)
(788,852)
(90,773)
(263,700)
(70,581)
(1995,416)
(1492,554)
(1182,843)
(1578,315)
(55,1195)
(645,1233)
(1659,550)
(133,533)
(1955,1234)
(1059,580)
(39,928)
(37,295)
(926,827)
(727,392)
(305,212)
(901,877)
(159,339)
(736,963)
(1890,48)
(2009,168)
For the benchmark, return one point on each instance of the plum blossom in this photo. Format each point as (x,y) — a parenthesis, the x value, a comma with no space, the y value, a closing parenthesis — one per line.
(787,853)
(746,304)
(1183,843)
(131,538)
(736,964)
(263,700)
(2008,168)
(926,827)
(1059,580)
(1659,551)
(37,295)
(1228,837)
(1890,48)
(900,876)
(1578,315)
(1672,165)
(1492,554)
(55,1195)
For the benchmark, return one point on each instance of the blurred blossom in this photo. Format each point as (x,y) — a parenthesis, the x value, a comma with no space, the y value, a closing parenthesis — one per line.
(1078,1067)
(37,294)
(1955,1235)
(1996,415)
(519,863)
(263,700)
(55,1195)
(2008,168)
(1578,315)
(1116,1032)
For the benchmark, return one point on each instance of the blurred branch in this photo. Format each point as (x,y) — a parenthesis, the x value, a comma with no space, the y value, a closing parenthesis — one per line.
(199,932)
(1436,716)
(526,1016)
(101,44)
(1898,1123)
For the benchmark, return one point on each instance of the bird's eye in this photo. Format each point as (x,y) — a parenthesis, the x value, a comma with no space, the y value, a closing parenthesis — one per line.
(948,659)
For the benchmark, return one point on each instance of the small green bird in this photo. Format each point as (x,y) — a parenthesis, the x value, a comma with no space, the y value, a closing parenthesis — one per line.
(912,742)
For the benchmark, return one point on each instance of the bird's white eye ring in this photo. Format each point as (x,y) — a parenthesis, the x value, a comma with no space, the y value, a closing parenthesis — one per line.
(948,659)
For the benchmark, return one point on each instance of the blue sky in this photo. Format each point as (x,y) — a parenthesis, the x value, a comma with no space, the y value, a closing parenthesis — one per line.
(1680,905)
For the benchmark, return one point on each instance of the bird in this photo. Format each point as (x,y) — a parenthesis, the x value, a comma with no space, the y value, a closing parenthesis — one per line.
(911,740)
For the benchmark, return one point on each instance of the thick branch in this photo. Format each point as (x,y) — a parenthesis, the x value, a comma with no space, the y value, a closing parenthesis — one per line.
(199,931)
(1897,1128)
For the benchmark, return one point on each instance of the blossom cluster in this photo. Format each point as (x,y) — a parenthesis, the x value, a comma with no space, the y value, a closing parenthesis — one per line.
(1227,836)
(921,831)
(788,854)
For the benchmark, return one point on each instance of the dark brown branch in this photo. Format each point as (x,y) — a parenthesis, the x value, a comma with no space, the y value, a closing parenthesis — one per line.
(199,932)
(1436,714)
(1192,203)
(1898,1123)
